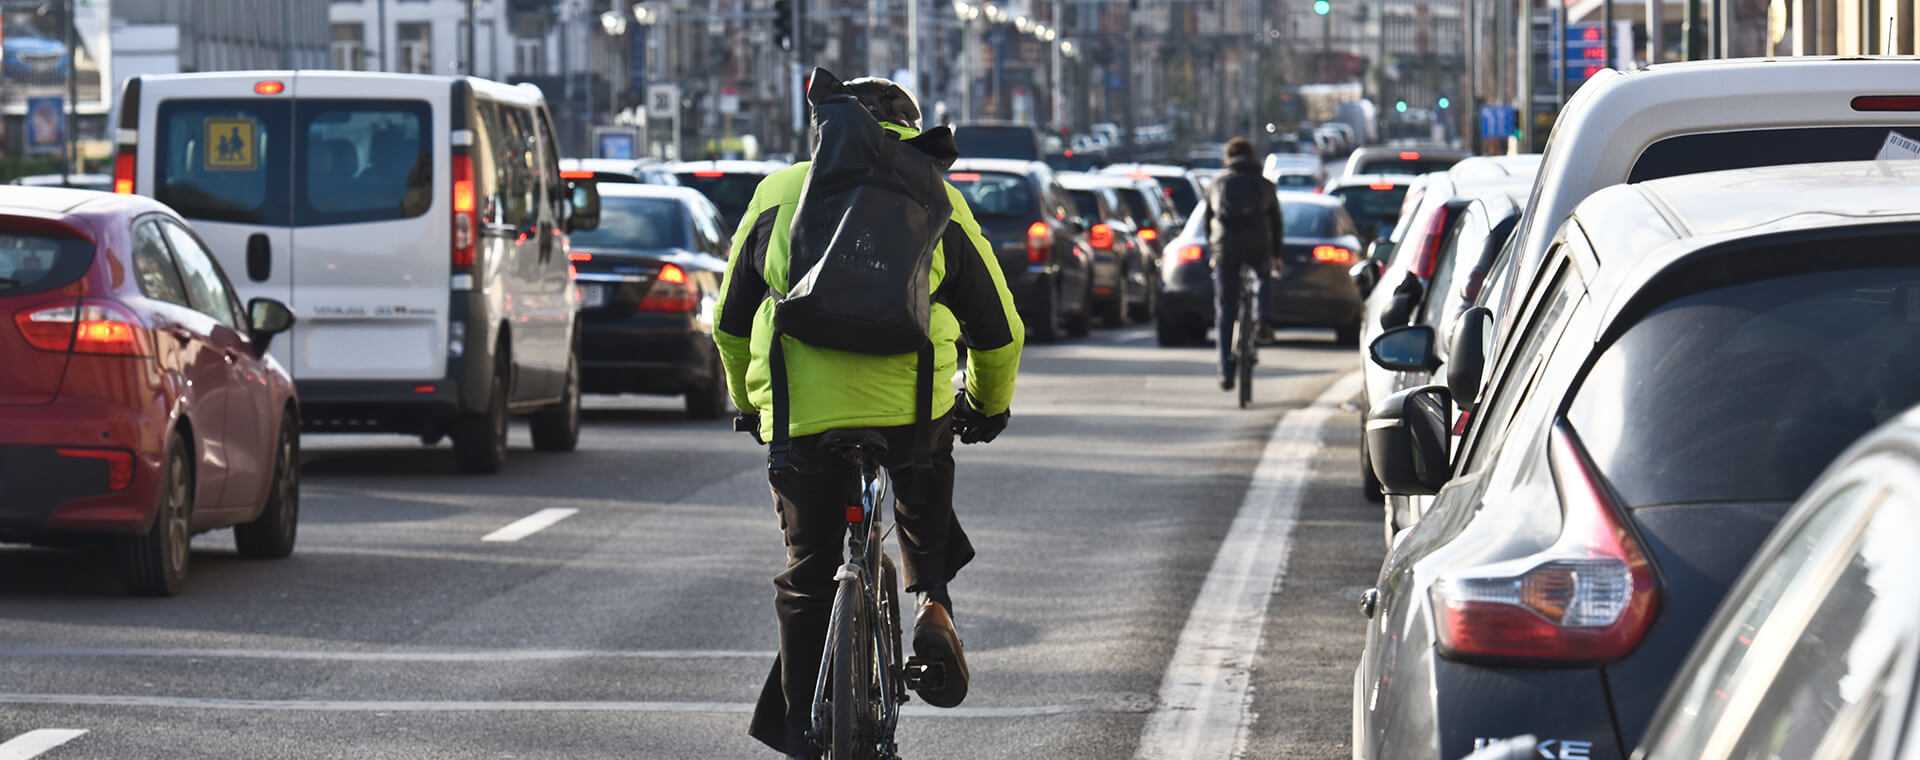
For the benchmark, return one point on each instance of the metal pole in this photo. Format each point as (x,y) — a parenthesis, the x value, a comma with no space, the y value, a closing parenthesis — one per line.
(913,47)
(1258,70)
(1059,99)
(73,91)
(286,38)
(382,5)
(875,67)
(1690,32)
(966,70)
(473,48)
(1656,18)
(1560,60)
(1606,30)
(1523,83)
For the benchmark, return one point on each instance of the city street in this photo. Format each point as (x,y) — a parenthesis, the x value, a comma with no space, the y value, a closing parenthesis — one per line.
(616,602)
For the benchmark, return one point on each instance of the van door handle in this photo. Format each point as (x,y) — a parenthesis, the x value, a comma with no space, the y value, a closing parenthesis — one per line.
(259,257)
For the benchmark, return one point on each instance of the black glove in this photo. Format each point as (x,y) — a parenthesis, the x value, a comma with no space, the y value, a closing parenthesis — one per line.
(972,426)
(748,423)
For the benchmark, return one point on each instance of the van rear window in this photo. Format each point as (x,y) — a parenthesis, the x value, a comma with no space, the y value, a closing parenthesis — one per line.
(1718,151)
(32,261)
(365,161)
(224,160)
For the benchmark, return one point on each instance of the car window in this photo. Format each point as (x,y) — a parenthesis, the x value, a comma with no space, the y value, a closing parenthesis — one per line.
(1180,192)
(731,193)
(512,159)
(1311,220)
(1086,203)
(557,193)
(1468,237)
(225,160)
(636,224)
(1747,391)
(153,266)
(207,291)
(974,141)
(1374,208)
(995,196)
(364,160)
(706,228)
(1394,165)
(1138,209)
(32,261)
(1716,151)
(1796,664)
(1489,424)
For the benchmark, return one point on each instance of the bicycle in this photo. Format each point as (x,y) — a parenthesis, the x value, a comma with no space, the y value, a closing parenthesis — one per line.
(1246,339)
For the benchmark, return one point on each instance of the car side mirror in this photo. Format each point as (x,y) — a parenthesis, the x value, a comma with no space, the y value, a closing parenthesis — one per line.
(1409,440)
(1406,297)
(1467,356)
(584,197)
(1405,349)
(1364,275)
(267,318)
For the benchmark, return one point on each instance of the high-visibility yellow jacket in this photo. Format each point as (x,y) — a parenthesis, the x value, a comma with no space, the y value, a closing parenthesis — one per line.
(833,390)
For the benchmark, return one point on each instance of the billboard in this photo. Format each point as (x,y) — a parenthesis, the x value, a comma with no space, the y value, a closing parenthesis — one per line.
(33,52)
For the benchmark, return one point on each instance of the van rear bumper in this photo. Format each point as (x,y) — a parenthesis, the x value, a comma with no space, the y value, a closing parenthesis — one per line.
(378,406)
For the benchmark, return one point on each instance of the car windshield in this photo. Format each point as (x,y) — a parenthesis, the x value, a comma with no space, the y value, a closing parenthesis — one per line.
(1138,207)
(996,195)
(1311,220)
(1180,192)
(636,224)
(1396,165)
(729,192)
(1373,207)
(997,142)
(1693,154)
(32,262)
(1294,182)
(1087,205)
(1746,392)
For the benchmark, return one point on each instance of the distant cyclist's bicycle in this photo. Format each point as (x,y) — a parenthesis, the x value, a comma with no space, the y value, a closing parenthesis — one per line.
(1246,339)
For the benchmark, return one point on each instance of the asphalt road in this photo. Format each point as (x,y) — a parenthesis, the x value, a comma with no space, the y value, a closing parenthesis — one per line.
(641,624)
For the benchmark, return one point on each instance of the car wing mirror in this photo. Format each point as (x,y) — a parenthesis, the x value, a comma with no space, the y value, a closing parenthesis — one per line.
(1405,349)
(265,319)
(1467,355)
(1406,297)
(583,197)
(1409,440)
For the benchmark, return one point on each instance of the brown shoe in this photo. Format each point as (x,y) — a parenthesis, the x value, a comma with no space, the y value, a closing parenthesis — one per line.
(936,642)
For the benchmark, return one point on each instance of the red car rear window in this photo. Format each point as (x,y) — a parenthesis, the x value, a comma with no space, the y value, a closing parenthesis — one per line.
(37,261)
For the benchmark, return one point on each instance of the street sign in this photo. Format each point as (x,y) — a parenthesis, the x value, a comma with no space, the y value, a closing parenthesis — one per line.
(729,101)
(232,142)
(663,101)
(46,124)
(1586,53)
(616,142)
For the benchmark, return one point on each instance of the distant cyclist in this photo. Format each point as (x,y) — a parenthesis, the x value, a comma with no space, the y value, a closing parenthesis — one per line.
(1245,230)
(837,390)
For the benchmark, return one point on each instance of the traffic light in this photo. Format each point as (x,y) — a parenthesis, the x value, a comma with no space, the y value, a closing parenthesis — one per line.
(1444,103)
(783,24)
(1322,7)
(1400,106)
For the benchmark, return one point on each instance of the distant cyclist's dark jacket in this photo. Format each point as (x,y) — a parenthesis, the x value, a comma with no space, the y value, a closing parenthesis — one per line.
(1244,214)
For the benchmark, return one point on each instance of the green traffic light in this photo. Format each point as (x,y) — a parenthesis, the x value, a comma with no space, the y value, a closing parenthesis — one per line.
(1444,103)
(1400,106)
(1322,7)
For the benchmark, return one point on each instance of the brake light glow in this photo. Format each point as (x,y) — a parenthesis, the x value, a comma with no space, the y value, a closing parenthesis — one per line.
(855,513)
(1887,103)
(1039,242)
(93,327)
(1380,186)
(1332,254)
(1149,234)
(709,174)
(672,273)
(964,176)
(123,171)
(269,87)
(579,256)
(1409,155)
(670,293)
(576,174)
(119,464)
(1101,236)
(1190,252)
(465,234)
(1589,597)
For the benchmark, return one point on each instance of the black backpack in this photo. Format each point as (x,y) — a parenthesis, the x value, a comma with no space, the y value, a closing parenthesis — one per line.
(860,251)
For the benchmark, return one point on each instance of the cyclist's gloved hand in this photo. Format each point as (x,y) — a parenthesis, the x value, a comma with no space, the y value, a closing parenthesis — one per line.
(748,423)
(972,426)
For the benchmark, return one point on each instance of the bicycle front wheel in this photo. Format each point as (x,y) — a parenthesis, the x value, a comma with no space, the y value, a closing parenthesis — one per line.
(1249,344)
(852,692)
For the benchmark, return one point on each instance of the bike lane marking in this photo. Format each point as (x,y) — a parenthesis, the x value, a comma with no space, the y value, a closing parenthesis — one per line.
(33,744)
(1204,703)
(1112,706)
(529,525)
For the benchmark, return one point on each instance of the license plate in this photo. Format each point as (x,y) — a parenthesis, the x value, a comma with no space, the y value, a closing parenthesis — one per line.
(593,296)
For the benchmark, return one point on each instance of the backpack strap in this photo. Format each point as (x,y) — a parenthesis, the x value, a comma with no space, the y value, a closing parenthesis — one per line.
(781,447)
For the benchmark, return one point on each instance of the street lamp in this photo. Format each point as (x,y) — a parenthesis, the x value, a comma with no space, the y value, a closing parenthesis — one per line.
(614,23)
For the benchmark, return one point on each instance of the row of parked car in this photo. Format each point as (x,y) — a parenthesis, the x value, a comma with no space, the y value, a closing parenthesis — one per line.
(1618,387)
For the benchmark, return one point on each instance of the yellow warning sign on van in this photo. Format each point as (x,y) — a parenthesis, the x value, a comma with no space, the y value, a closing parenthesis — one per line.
(230,145)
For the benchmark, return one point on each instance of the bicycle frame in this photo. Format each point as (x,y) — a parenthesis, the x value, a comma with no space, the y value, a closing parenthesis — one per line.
(864,551)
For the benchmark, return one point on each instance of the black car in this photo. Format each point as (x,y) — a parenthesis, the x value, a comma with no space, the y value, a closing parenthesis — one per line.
(1120,253)
(647,279)
(728,184)
(1310,287)
(1693,353)
(1179,189)
(999,139)
(1029,220)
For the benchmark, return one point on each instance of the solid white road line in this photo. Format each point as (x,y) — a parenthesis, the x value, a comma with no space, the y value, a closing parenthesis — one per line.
(529,525)
(463,656)
(531,706)
(33,744)
(1202,712)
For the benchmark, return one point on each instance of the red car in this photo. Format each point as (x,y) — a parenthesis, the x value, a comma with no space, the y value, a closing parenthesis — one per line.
(137,400)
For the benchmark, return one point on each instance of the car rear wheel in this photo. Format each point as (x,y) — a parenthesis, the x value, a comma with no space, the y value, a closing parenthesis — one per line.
(1143,311)
(1081,322)
(1046,325)
(272,534)
(557,428)
(1114,313)
(480,440)
(155,563)
(708,401)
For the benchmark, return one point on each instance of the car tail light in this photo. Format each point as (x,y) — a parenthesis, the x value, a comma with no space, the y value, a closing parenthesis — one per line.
(576,174)
(93,327)
(123,171)
(709,174)
(964,176)
(1587,598)
(1380,186)
(465,235)
(1409,155)
(1039,242)
(579,256)
(1149,234)
(1887,103)
(1425,239)
(1190,253)
(1333,254)
(119,464)
(1101,236)
(269,87)
(669,293)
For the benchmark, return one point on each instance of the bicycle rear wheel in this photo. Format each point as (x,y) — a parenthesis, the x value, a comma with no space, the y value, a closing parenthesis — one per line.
(852,693)
(1248,345)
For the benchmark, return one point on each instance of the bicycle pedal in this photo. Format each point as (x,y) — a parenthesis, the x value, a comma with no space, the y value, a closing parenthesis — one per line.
(921,675)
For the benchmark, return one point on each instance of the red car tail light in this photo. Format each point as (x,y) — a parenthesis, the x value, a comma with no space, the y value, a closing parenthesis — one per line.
(1101,236)
(1425,238)
(1039,242)
(1190,253)
(1380,186)
(119,464)
(1149,234)
(669,293)
(1409,155)
(93,327)
(465,234)
(1333,254)
(269,87)
(1589,597)
(123,170)
(1887,103)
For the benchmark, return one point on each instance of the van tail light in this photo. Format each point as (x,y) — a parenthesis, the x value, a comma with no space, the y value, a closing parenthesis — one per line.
(1149,234)
(465,232)
(1409,155)
(119,464)
(1333,254)
(123,170)
(1887,103)
(1101,236)
(1189,253)
(1039,242)
(1588,598)
(92,327)
(670,293)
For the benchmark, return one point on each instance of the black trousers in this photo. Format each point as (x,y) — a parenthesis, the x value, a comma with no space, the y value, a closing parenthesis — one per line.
(1226,297)
(812,502)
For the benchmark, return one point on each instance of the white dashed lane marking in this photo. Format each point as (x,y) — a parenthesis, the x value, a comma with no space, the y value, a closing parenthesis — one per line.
(33,744)
(529,525)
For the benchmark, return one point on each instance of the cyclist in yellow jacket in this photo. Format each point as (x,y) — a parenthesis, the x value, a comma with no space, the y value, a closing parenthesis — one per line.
(837,390)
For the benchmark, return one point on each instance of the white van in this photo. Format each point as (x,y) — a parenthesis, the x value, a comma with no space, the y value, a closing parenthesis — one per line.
(415,224)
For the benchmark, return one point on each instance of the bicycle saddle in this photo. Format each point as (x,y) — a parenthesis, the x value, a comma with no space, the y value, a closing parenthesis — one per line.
(846,443)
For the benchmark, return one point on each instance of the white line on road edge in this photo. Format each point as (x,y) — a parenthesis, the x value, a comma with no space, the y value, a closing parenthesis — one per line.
(506,706)
(33,744)
(476,655)
(529,525)
(1202,712)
